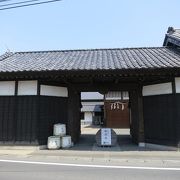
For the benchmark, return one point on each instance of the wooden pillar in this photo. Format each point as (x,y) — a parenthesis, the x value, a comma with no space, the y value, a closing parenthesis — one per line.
(73,124)
(141,138)
(137,119)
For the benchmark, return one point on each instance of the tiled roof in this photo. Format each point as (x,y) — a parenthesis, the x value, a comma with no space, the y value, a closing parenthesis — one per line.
(172,36)
(97,59)
(175,34)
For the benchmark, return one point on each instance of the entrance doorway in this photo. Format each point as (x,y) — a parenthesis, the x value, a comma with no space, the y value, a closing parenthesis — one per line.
(111,111)
(92,116)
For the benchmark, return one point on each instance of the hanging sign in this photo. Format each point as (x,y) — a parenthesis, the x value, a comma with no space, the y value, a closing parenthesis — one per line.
(106,137)
(118,105)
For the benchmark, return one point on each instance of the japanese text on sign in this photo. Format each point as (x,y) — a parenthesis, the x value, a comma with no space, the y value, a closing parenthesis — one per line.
(105,137)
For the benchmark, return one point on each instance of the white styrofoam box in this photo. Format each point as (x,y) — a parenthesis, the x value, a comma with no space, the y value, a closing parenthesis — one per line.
(66,141)
(177,82)
(54,142)
(157,89)
(7,88)
(53,91)
(27,87)
(59,129)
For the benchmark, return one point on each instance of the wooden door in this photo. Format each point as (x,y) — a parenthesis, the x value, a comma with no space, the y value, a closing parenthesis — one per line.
(117,114)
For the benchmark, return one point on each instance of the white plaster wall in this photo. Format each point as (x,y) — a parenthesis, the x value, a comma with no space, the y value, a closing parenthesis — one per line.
(157,89)
(92,103)
(91,95)
(113,95)
(177,83)
(125,95)
(88,116)
(7,88)
(27,87)
(53,91)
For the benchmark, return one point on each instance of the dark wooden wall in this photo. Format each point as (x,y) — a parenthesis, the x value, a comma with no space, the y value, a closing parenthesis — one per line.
(30,119)
(177,115)
(18,119)
(52,110)
(26,119)
(160,119)
(7,125)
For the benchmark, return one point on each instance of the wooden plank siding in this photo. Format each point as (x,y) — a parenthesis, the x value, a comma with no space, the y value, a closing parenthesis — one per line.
(29,119)
(52,110)
(26,119)
(117,118)
(18,117)
(7,127)
(160,119)
(177,119)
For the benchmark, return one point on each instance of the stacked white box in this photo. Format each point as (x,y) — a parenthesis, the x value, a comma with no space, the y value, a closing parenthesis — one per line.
(54,142)
(66,141)
(59,129)
(59,138)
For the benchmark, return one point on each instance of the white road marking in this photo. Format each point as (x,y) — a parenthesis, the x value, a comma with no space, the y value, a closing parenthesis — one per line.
(92,166)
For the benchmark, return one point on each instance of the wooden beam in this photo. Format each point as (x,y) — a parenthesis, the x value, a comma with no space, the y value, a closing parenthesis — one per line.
(173,86)
(98,87)
(16,88)
(38,88)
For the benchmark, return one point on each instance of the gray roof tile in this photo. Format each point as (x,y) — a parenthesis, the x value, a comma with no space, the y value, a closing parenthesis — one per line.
(175,34)
(93,59)
(172,37)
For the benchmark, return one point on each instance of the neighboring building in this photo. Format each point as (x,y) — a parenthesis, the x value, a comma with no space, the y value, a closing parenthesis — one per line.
(92,108)
(172,37)
(39,89)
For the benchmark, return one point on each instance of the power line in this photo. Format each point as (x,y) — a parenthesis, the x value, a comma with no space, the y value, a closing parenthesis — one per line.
(4,0)
(28,4)
(22,2)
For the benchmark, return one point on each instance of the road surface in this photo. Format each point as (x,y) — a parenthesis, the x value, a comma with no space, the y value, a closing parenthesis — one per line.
(22,170)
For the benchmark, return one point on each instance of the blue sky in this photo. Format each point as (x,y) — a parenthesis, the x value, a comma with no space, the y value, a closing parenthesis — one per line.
(82,24)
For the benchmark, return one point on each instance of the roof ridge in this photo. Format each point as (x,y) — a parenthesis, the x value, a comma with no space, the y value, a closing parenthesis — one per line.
(6,55)
(96,49)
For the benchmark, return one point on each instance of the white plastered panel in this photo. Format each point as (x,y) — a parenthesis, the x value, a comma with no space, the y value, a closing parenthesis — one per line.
(157,89)
(177,82)
(27,87)
(88,116)
(113,95)
(7,88)
(53,91)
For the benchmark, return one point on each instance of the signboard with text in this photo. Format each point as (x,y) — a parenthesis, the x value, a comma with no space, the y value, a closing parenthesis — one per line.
(106,137)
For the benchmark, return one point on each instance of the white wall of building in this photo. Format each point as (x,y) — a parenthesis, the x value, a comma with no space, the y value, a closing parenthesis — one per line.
(27,87)
(157,89)
(7,88)
(177,83)
(91,95)
(53,91)
(88,117)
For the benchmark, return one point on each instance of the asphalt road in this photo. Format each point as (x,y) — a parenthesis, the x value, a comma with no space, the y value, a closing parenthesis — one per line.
(23,171)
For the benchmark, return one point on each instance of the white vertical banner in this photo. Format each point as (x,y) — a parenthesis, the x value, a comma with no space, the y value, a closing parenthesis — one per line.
(106,137)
